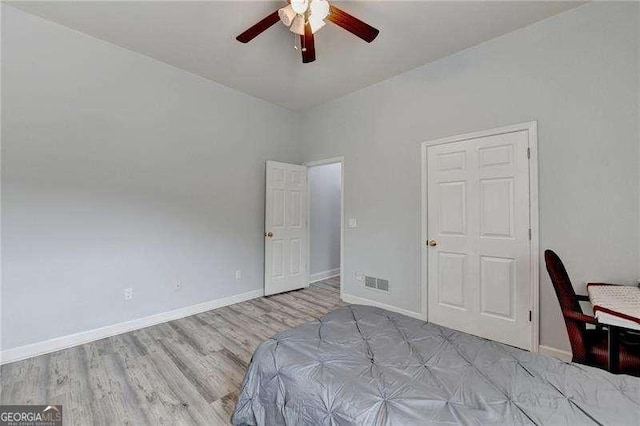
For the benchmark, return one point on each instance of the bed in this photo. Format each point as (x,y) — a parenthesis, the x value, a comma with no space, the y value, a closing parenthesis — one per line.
(365,365)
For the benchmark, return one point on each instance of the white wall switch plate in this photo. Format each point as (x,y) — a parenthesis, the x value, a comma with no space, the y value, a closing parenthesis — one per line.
(128,293)
(353,223)
(238,274)
(359,275)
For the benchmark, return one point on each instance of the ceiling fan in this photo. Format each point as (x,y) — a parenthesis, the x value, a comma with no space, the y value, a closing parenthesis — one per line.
(305,17)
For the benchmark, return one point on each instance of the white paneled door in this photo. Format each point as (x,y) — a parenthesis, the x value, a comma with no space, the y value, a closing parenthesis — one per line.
(478,246)
(285,236)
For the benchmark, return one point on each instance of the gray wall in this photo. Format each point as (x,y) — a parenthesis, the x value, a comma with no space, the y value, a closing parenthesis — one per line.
(324,185)
(576,74)
(120,171)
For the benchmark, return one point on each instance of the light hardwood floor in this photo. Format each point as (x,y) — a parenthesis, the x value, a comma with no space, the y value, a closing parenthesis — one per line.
(187,371)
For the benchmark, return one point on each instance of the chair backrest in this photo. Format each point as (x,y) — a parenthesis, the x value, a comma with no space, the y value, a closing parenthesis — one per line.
(568,303)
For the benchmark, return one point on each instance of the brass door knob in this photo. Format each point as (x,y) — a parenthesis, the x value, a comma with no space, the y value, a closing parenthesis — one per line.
(268,234)
(432,243)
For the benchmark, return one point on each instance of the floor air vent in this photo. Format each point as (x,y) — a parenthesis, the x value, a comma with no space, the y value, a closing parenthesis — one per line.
(382,284)
(376,283)
(370,282)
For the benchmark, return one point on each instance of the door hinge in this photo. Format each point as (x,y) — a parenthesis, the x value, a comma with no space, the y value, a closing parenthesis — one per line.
(528,152)
(530,316)
(529,234)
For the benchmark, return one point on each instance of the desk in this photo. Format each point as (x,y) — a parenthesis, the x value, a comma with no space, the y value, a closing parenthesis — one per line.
(616,306)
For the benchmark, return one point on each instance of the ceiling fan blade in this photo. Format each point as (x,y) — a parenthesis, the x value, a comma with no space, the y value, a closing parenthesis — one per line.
(258,28)
(308,45)
(352,24)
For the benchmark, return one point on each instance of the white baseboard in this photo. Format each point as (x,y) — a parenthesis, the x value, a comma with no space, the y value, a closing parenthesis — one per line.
(64,342)
(557,353)
(349,298)
(319,276)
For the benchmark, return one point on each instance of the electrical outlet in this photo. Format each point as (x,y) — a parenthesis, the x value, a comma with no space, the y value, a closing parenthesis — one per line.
(353,223)
(128,293)
(238,274)
(359,275)
(177,286)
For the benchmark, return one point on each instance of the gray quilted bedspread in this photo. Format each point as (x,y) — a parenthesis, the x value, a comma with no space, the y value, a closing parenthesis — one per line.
(367,366)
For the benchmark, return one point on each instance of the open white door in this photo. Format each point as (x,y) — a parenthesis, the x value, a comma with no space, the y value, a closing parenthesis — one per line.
(285,236)
(479,262)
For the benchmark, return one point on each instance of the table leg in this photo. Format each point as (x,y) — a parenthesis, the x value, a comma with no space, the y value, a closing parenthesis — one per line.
(614,349)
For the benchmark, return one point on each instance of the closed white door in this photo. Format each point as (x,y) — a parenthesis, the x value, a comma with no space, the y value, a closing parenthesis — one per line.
(479,239)
(285,237)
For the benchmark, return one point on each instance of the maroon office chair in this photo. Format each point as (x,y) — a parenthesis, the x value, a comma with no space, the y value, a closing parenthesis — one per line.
(589,346)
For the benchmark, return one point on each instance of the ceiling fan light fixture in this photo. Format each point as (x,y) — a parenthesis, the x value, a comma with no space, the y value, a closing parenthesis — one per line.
(315,24)
(319,9)
(300,6)
(286,15)
(297,26)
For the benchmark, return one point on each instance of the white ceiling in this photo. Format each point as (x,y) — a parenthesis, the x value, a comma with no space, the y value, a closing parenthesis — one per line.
(200,37)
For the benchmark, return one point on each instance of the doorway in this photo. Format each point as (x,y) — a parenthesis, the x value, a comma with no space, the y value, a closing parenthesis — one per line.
(286,230)
(325,222)
(479,249)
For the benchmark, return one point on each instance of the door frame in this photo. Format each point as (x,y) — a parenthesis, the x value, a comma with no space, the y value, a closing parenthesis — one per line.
(534,243)
(309,164)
